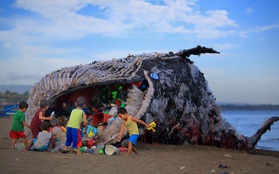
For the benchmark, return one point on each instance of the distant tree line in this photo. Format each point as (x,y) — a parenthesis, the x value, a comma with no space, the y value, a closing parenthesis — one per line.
(12,97)
(14,93)
(249,107)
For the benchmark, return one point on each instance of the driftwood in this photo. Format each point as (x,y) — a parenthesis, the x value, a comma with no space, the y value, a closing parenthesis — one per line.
(177,97)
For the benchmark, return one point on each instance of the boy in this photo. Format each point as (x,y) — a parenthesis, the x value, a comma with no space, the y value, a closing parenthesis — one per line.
(44,138)
(73,134)
(18,124)
(130,123)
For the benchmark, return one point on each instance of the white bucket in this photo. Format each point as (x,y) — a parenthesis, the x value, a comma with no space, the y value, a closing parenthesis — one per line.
(111,150)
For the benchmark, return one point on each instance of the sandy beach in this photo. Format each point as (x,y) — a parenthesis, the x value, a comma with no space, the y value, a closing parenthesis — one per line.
(153,158)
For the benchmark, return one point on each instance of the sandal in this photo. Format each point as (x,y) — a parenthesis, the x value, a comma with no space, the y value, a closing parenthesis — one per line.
(75,150)
(65,151)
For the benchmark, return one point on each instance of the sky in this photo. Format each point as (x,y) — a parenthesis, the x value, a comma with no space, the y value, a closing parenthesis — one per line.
(38,37)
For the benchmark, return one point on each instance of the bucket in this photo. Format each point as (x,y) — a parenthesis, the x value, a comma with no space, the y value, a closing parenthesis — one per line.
(111,150)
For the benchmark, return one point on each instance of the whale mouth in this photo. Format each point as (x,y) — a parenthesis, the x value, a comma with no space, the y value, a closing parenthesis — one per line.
(135,96)
(104,99)
(99,96)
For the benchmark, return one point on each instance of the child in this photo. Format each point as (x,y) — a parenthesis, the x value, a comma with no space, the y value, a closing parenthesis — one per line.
(73,134)
(44,139)
(18,125)
(37,119)
(57,146)
(130,123)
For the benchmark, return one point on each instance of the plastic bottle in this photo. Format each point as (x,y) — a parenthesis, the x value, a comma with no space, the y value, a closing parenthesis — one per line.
(91,151)
(19,146)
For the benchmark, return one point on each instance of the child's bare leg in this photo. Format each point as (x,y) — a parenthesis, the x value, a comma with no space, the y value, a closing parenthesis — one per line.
(78,150)
(135,150)
(13,143)
(130,147)
(25,143)
(30,143)
(66,148)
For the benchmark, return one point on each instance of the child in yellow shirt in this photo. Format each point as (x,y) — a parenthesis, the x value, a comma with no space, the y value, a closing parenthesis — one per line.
(130,124)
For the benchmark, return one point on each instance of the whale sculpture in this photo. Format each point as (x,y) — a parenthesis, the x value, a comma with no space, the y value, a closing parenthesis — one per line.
(166,88)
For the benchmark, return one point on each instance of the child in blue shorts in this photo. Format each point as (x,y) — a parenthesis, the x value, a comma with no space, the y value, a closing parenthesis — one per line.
(73,134)
(130,123)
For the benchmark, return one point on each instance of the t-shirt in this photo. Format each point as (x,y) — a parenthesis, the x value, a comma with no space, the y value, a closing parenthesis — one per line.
(18,118)
(42,139)
(131,126)
(76,118)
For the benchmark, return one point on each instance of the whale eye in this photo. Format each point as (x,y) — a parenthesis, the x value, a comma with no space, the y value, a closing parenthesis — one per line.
(154,76)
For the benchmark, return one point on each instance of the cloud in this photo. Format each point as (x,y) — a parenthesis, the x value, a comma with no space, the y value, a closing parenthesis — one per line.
(267,27)
(63,20)
(31,63)
(249,10)
(40,37)
(225,46)
(245,33)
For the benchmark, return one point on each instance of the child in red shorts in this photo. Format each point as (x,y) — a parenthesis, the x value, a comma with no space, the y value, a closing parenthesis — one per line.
(17,129)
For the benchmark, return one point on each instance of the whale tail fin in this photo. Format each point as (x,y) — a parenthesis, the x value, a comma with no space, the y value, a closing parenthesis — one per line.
(253,140)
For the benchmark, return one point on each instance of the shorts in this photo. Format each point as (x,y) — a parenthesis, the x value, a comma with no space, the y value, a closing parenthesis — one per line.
(41,149)
(73,135)
(133,138)
(17,134)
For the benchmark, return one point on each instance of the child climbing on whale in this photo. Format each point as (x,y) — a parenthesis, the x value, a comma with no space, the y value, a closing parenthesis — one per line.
(130,124)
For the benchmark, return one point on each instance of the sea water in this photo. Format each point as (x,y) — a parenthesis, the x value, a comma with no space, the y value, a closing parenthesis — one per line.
(247,122)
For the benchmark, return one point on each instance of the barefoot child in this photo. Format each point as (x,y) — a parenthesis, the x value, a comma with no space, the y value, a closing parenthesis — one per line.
(18,125)
(73,134)
(130,123)
(44,139)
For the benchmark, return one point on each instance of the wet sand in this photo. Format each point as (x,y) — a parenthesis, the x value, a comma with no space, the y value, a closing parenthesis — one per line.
(153,158)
